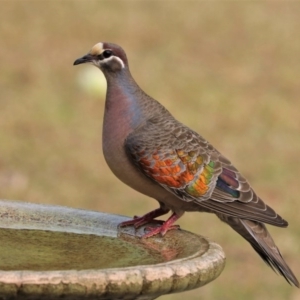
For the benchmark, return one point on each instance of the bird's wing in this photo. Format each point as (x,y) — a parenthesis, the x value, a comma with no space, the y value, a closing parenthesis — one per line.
(184,163)
(234,196)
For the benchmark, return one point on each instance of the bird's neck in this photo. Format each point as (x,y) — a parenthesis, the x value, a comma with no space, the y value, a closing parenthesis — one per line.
(125,101)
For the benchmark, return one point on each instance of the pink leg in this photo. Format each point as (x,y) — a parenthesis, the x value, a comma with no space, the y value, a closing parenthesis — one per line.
(139,221)
(166,226)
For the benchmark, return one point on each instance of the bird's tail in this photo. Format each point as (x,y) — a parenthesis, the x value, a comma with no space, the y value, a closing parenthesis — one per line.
(260,239)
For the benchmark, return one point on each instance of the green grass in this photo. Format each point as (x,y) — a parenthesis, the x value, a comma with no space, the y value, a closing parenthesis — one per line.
(229,70)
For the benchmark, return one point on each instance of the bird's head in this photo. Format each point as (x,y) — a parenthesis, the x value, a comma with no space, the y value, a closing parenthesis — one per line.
(106,56)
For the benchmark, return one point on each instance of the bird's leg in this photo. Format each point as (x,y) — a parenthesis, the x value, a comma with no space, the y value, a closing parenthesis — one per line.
(166,226)
(139,221)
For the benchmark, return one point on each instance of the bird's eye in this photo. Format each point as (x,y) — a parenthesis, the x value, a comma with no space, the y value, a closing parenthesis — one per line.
(107,53)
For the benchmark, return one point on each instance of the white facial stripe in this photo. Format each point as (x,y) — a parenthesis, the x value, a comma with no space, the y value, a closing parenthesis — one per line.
(121,62)
(97,49)
(115,57)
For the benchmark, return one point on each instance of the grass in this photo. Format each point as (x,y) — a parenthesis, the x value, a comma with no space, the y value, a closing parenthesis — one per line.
(229,70)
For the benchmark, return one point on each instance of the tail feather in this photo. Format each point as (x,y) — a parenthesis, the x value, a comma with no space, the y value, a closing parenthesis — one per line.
(260,239)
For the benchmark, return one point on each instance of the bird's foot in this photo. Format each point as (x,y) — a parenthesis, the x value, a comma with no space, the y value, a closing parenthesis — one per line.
(147,218)
(164,228)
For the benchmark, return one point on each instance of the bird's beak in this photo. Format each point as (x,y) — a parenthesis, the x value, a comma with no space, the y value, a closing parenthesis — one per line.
(84,59)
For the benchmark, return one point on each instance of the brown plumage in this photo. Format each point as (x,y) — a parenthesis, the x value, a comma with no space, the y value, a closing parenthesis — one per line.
(149,150)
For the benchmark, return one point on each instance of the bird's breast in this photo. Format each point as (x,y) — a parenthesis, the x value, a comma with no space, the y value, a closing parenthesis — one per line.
(117,126)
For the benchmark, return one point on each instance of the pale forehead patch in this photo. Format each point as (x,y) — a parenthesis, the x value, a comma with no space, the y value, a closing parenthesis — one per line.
(97,49)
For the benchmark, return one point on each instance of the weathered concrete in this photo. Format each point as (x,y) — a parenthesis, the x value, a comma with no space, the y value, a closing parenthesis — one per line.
(52,252)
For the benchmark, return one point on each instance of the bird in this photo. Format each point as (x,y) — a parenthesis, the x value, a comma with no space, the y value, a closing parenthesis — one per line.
(158,156)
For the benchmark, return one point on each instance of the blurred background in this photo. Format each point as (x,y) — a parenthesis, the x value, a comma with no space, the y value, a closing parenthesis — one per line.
(229,70)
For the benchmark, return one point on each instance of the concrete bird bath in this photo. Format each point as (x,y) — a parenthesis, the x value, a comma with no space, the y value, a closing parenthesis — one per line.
(52,252)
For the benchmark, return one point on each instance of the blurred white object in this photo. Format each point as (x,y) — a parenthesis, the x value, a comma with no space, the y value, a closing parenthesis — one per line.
(92,81)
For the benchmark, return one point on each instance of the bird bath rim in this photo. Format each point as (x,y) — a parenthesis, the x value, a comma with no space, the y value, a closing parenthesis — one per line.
(133,282)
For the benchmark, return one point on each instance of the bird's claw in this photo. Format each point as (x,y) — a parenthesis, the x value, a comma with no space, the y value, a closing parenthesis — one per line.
(162,230)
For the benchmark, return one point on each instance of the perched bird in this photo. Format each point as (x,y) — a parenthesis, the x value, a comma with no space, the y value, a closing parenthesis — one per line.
(152,152)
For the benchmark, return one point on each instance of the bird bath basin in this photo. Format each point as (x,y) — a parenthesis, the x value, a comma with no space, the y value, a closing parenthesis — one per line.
(51,252)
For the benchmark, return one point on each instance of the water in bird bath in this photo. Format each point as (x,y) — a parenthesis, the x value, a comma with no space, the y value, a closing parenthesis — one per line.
(41,250)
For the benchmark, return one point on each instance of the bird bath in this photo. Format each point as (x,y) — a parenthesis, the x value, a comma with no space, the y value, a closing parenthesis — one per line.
(51,252)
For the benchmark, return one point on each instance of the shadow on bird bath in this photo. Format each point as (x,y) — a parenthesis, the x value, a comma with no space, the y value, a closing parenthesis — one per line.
(52,251)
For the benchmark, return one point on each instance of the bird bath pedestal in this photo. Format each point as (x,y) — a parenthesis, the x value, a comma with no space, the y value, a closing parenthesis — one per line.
(53,252)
